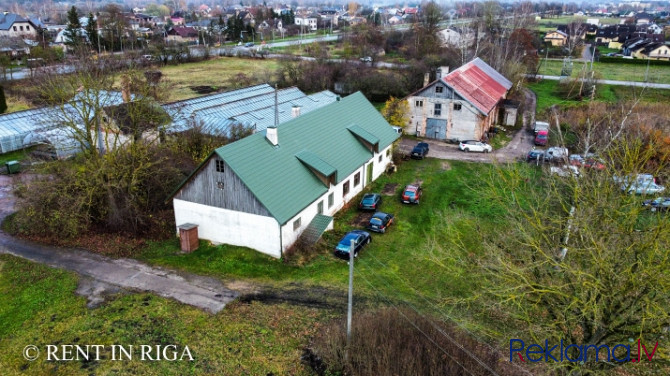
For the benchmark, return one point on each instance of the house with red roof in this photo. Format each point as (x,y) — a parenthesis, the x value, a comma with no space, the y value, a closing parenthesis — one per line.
(463,104)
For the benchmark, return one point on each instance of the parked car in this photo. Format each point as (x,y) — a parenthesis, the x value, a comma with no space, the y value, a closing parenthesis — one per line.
(657,204)
(360,239)
(472,145)
(411,194)
(420,150)
(594,163)
(565,170)
(370,201)
(555,154)
(380,221)
(541,138)
(534,155)
(366,59)
(418,153)
(576,160)
(540,126)
(640,184)
(248,44)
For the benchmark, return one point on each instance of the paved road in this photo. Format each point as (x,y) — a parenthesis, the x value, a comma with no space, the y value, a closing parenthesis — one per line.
(103,274)
(612,82)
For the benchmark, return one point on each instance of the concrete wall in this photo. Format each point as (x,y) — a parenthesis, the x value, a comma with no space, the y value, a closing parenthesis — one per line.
(231,227)
(464,124)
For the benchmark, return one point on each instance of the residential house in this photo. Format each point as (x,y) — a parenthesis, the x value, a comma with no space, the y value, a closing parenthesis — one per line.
(395,20)
(14,25)
(556,38)
(264,191)
(654,51)
(182,34)
(643,18)
(309,23)
(14,47)
(462,105)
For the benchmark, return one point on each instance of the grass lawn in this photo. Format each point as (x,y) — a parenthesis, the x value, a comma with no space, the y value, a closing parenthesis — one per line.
(16,155)
(612,71)
(15,104)
(398,263)
(38,307)
(547,96)
(219,72)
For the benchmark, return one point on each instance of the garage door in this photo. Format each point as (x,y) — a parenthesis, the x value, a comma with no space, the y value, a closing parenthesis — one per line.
(436,128)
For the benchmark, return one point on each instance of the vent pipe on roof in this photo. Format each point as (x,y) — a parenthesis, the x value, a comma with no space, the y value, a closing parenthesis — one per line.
(295,111)
(271,135)
(426,79)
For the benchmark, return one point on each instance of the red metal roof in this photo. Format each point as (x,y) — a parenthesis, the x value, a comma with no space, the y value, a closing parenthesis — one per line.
(476,86)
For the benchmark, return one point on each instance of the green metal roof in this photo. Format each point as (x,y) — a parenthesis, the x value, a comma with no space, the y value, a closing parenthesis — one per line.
(362,133)
(279,180)
(315,162)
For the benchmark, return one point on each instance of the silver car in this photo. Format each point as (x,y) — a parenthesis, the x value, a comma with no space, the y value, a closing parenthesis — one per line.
(472,145)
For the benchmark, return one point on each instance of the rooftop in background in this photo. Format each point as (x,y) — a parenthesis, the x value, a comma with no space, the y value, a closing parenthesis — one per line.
(252,106)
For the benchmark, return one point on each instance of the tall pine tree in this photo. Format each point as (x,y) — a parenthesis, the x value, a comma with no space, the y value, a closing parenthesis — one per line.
(73,33)
(3,101)
(92,31)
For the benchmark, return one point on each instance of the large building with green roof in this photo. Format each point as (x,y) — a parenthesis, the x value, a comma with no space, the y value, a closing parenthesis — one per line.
(265,190)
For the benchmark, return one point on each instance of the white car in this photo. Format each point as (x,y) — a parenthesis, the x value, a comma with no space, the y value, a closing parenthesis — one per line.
(366,59)
(565,171)
(472,145)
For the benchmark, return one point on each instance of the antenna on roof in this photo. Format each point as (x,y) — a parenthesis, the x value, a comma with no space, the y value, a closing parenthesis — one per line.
(276,108)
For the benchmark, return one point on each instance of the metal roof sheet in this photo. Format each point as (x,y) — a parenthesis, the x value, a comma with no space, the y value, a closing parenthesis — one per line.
(362,133)
(279,180)
(479,84)
(315,162)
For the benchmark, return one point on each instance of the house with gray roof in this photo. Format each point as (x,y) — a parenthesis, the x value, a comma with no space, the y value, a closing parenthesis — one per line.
(265,190)
(14,25)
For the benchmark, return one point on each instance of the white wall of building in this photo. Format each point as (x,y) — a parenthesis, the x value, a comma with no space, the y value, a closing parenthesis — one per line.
(231,227)
(23,30)
(289,235)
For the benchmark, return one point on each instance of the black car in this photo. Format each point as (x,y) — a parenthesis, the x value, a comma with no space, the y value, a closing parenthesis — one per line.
(420,150)
(371,201)
(418,153)
(380,222)
(534,155)
(360,239)
(657,204)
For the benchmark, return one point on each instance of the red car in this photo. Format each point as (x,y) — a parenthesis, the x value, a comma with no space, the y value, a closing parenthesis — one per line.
(411,194)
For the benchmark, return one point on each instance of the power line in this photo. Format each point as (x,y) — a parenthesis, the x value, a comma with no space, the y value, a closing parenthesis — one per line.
(414,325)
(441,331)
(416,292)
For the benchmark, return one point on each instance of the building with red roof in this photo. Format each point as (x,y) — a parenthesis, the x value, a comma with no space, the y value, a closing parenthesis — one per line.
(463,104)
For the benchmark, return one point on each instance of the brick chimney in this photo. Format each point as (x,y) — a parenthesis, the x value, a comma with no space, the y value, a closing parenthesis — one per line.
(271,135)
(426,79)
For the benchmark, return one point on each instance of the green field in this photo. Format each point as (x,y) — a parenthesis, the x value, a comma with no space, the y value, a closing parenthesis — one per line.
(222,73)
(256,338)
(546,24)
(611,71)
(547,94)
(38,307)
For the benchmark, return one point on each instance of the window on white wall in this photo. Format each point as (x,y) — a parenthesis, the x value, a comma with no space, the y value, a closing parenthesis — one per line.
(345,188)
(438,109)
(457,106)
(331,200)
(380,157)
(418,103)
(357,179)
(319,208)
(439,89)
(296,224)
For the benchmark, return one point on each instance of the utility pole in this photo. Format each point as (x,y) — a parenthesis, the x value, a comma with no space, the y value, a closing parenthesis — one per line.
(352,250)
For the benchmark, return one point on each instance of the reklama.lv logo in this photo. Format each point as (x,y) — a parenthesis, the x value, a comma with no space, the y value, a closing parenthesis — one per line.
(576,353)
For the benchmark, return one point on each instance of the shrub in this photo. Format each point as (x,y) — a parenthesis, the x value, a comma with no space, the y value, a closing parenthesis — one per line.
(386,342)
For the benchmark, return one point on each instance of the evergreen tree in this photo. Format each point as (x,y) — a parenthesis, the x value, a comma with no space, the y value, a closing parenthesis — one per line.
(73,32)
(92,31)
(3,101)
